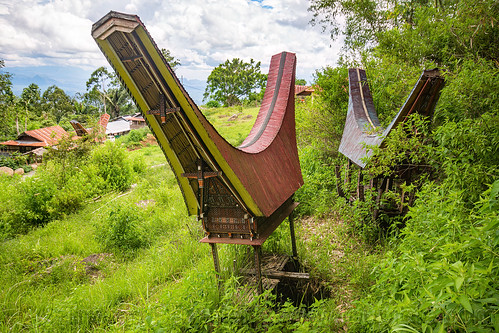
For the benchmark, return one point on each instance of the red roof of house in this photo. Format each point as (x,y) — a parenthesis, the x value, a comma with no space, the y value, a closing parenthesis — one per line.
(42,137)
(104,119)
(303,90)
(136,119)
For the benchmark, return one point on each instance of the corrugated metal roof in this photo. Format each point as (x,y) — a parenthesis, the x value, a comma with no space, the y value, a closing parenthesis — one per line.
(49,135)
(118,126)
(136,119)
(42,137)
(303,90)
(24,143)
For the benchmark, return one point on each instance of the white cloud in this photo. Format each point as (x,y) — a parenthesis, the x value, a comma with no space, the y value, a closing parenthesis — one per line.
(201,33)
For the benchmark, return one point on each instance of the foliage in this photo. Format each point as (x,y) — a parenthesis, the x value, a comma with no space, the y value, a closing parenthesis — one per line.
(113,166)
(364,20)
(213,104)
(7,100)
(123,230)
(442,275)
(134,138)
(471,91)
(170,59)
(105,94)
(14,161)
(57,103)
(235,80)
(436,31)
(70,174)
(320,121)
(301,82)
(467,153)
(318,192)
(196,310)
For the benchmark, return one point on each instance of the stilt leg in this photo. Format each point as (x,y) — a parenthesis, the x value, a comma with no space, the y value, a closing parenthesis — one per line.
(360,186)
(258,268)
(292,233)
(214,252)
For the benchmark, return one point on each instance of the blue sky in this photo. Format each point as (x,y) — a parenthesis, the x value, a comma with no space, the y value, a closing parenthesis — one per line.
(50,40)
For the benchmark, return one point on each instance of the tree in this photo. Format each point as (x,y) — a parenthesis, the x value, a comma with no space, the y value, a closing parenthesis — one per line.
(30,102)
(56,103)
(413,31)
(233,81)
(105,92)
(97,86)
(170,59)
(7,104)
(301,82)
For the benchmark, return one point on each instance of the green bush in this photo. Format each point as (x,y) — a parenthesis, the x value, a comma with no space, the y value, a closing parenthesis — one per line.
(113,166)
(213,104)
(467,154)
(320,121)
(11,209)
(138,164)
(443,274)
(38,192)
(318,194)
(14,161)
(133,139)
(123,230)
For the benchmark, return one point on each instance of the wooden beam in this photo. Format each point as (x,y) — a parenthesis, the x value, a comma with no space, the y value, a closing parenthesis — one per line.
(271,274)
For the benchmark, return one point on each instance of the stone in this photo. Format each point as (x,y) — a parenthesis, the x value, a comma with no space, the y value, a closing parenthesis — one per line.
(19,171)
(7,170)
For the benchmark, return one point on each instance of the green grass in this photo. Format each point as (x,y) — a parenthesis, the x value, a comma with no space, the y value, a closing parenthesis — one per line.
(168,282)
(233,123)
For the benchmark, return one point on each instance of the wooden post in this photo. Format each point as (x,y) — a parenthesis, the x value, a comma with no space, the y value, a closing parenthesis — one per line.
(214,252)
(339,190)
(292,233)
(347,174)
(258,268)
(360,186)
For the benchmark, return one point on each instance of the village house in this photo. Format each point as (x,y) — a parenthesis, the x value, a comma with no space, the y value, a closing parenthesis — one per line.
(31,140)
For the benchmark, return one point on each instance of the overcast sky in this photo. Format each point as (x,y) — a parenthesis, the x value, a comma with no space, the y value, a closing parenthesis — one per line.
(200,33)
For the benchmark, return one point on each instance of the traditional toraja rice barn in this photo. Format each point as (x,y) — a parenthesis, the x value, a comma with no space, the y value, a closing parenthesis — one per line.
(82,131)
(240,195)
(362,127)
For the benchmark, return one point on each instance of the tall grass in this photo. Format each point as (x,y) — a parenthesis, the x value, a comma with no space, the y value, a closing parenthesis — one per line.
(65,276)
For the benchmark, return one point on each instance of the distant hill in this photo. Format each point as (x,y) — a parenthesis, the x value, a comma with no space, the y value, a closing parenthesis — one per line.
(70,79)
(73,80)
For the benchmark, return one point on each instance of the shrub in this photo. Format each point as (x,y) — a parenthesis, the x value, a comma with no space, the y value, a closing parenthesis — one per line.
(12,207)
(138,164)
(468,154)
(133,139)
(213,104)
(38,193)
(14,161)
(318,193)
(113,166)
(443,274)
(122,230)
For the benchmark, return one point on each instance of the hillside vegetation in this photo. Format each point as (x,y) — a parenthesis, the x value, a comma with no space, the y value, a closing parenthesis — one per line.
(98,239)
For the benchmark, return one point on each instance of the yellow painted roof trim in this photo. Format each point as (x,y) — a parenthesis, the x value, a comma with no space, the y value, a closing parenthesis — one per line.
(172,83)
(189,195)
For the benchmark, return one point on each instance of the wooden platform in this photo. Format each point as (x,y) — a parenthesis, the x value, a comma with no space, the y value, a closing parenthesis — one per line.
(273,272)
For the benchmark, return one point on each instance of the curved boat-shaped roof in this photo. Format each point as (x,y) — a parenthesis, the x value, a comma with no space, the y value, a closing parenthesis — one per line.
(262,174)
(362,127)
